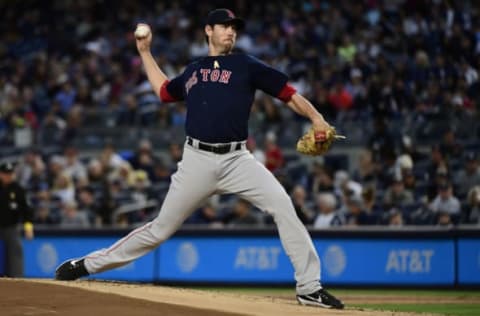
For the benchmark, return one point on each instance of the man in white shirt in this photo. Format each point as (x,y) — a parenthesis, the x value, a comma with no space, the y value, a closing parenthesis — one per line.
(327,217)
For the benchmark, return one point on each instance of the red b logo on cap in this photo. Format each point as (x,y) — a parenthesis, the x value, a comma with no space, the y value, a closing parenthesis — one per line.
(230,14)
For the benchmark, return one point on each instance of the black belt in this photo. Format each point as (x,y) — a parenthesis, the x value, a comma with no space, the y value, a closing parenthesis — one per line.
(217,149)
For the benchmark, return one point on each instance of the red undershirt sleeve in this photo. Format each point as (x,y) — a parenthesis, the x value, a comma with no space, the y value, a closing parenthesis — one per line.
(286,93)
(165,96)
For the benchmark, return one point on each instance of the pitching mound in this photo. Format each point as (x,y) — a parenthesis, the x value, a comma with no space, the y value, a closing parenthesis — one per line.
(80,298)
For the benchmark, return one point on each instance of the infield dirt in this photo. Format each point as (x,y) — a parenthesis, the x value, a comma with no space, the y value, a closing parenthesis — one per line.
(84,298)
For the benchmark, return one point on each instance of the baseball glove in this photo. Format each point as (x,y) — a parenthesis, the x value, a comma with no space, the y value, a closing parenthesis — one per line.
(317,143)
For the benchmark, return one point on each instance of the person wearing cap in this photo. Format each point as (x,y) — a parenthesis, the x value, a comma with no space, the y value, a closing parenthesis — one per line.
(14,210)
(219,91)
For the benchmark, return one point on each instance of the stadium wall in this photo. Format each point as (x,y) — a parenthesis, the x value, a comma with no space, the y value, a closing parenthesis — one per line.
(350,257)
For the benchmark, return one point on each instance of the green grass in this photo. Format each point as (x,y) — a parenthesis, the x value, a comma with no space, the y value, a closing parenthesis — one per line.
(339,292)
(453,309)
(441,309)
(409,292)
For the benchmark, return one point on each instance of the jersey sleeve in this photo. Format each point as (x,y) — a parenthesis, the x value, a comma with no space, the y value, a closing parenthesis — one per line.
(172,90)
(266,78)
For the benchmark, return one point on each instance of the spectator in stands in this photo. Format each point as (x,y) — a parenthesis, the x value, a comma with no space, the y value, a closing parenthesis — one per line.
(272,116)
(423,214)
(109,157)
(24,168)
(164,118)
(144,158)
(395,218)
(357,88)
(441,177)
(355,213)
(284,179)
(66,95)
(273,153)
(207,214)
(175,151)
(198,47)
(299,199)
(124,175)
(140,187)
(396,195)
(370,200)
(450,147)
(179,114)
(97,175)
(320,179)
(438,162)
(130,113)
(410,183)
(381,142)
(366,173)
(161,174)
(345,188)
(74,167)
(71,217)
(87,204)
(409,148)
(403,164)
(326,215)
(444,219)
(32,171)
(63,188)
(56,165)
(321,102)
(258,153)
(43,214)
(242,215)
(471,210)
(52,129)
(341,99)
(469,176)
(445,201)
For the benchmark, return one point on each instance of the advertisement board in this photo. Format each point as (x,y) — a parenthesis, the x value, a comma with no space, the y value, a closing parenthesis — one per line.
(469,261)
(344,261)
(44,254)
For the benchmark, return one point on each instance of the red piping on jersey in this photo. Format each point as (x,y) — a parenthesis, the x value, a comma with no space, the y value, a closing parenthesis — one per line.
(165,96)
(286,93)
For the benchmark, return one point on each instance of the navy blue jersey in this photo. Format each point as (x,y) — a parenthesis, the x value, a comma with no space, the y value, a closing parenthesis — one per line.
(219,92)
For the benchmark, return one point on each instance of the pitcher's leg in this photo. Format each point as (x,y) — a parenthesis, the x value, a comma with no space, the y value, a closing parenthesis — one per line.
(191,184)
(254,182)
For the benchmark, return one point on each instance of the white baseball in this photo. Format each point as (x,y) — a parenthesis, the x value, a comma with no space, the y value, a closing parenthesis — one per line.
(142,31)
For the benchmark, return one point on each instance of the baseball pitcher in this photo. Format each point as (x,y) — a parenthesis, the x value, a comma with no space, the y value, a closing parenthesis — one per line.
(218,91)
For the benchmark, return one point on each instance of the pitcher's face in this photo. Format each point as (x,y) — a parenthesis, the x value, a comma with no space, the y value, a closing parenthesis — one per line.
(222,37)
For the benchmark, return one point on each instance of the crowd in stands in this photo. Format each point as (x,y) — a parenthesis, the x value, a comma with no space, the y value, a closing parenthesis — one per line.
(399,78)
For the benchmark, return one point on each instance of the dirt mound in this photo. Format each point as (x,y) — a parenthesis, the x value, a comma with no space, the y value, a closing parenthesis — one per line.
(46,297)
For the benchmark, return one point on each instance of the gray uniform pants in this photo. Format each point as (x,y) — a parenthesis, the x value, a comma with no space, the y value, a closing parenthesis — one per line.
(201,174)
(13,251)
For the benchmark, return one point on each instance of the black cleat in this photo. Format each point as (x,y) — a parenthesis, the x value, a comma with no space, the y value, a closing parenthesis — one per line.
(71,269)
(320,298)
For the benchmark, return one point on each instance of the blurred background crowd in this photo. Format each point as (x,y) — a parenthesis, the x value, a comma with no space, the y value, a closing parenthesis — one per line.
(95,147)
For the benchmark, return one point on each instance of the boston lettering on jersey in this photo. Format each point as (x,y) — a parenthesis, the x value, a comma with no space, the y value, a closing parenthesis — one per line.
(219,92)
(213,75)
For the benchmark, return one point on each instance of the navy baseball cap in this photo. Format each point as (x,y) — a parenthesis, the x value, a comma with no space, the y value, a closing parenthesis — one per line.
(224,16)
